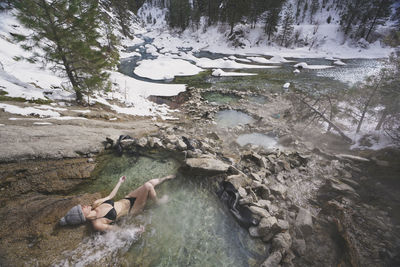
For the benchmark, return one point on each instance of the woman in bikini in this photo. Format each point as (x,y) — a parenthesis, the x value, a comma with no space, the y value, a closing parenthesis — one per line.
(105,211)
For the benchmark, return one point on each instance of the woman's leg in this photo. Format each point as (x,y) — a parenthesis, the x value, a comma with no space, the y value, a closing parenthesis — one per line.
(144,192)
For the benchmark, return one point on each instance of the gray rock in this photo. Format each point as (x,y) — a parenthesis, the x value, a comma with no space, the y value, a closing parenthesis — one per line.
(272,209)
(253,231)
(282,242)
(171,139)
(299,247)
(127,143)
(280,178)
(246,200)
(262,203)
(239,180)
(282,225)
(342,188)
(267,228)
(181,145)
(142,142)
(304,222)
(256,158)
(271,158)
(207,166)
(284,165)
(350,182)
(242,192)
(157,142)
(171,146)
(255,177)
(260,212)
(273,260)
(285,140)
(278,189)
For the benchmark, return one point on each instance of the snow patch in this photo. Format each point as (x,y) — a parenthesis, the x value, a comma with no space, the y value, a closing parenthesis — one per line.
(164,68)
(28,111)
(221,73)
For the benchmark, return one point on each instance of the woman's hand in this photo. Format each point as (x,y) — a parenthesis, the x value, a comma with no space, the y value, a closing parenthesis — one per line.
(122,179)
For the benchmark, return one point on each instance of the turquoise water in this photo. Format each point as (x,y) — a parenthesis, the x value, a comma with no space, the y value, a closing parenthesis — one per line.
(257,139)
(220,98)
(192,229)
(232,118)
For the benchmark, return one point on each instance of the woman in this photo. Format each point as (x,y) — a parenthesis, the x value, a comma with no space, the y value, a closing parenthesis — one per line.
(105,211)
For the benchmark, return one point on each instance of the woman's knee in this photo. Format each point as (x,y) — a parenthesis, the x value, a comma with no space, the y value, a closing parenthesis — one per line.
(148,186)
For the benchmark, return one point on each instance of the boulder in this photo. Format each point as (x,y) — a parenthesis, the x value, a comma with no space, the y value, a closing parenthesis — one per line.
(260,212)
(253,231)
(157,142)
(207,166)
(282,225)
(267,228)
(299,247)
(181,145)
(273,260)
(262,203)
(342,188)
(142,142)
(284,165)
(282,242)
(255,177)
(304,222)
(256,158)
(126,143)
(278,189)
(242,192)
(239,180)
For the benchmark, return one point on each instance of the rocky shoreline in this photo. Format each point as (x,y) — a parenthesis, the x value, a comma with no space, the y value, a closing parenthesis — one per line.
(310,204)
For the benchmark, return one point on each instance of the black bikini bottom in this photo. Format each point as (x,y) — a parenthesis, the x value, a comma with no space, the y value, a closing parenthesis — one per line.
(131,201)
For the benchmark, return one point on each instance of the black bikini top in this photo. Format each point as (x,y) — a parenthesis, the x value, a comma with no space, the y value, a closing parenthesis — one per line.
(112,213)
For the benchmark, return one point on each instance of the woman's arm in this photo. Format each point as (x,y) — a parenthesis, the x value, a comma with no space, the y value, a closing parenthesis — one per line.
(102,227)
(112,194)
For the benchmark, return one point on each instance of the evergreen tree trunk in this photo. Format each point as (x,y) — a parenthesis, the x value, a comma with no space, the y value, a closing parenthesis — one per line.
(382,119)
(366,106)
(374,21)
(64,59)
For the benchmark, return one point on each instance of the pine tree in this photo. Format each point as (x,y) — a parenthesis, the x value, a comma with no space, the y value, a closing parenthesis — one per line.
(380,12)
(285,35)
(314,8)
(233,11)
(179,14)
(271,22)
(121,9)
(68,32)
(213,11)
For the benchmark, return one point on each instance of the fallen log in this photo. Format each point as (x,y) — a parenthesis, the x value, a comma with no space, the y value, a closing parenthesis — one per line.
(333,125)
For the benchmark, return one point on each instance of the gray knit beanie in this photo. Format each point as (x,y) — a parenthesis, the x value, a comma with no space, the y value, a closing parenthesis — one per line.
(73,217)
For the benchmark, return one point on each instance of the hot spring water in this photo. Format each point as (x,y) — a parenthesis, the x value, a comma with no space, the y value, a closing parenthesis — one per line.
(257,139)
(192,229)
(232,118)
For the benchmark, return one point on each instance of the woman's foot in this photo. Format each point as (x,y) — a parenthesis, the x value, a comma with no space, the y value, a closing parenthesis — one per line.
(172,176)
(164,199)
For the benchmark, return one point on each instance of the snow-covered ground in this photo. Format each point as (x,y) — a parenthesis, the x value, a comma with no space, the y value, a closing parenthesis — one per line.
(174,55)
(20,78)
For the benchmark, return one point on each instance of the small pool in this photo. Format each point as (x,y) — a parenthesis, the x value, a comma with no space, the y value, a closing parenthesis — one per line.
(192,229)
(232,118)
(220,98)
(259,99)
(257,139)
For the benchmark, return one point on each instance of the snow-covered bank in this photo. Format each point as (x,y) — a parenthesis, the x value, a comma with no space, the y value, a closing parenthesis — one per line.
(321,39)
(31,80)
